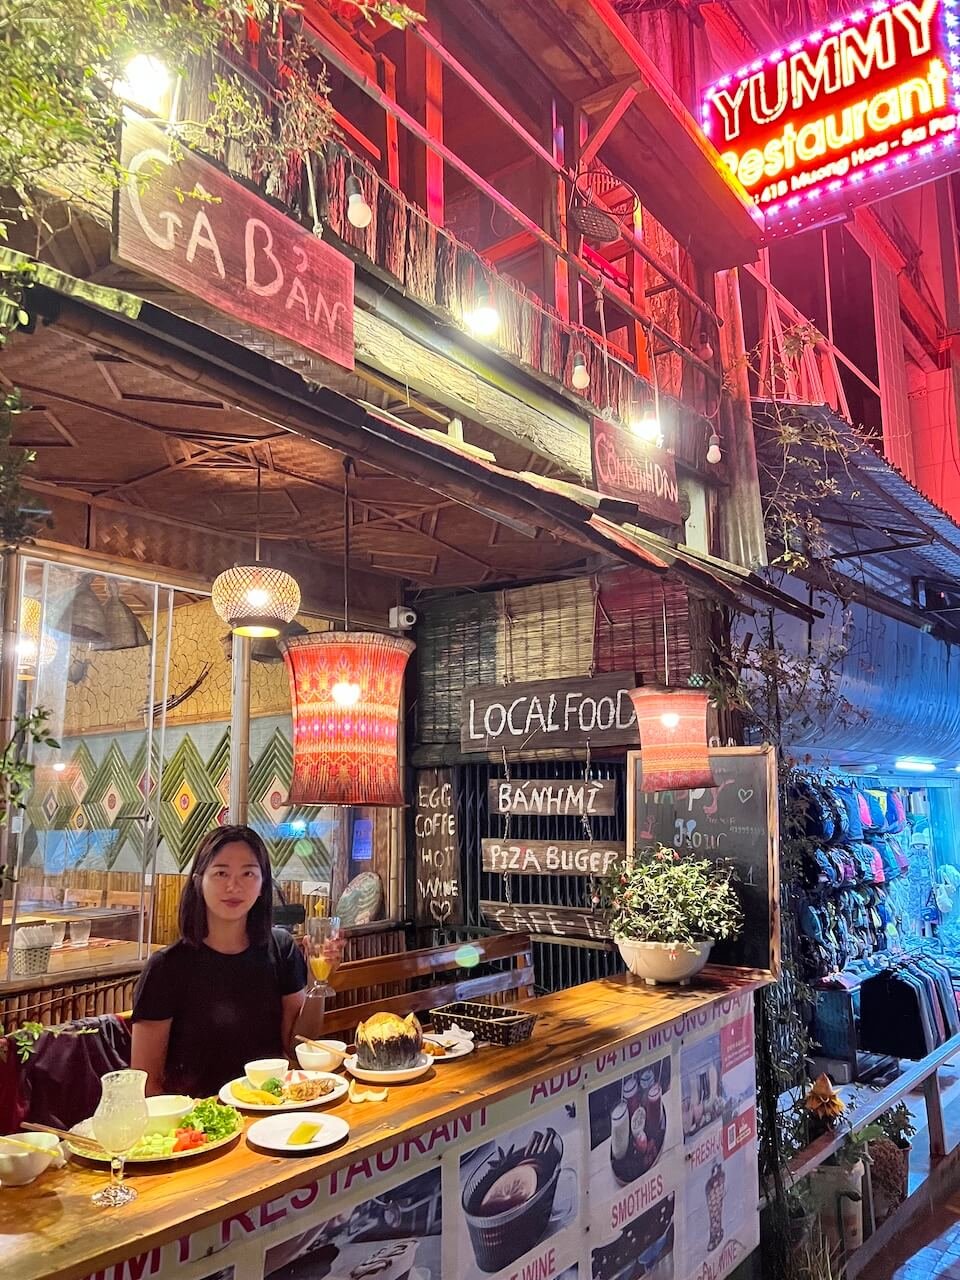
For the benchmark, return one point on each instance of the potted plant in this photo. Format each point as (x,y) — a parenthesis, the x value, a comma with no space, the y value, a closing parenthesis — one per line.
(666,911)
(889,1147)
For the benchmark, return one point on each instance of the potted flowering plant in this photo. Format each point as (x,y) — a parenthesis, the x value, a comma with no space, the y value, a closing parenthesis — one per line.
(889,1148)
(666,911)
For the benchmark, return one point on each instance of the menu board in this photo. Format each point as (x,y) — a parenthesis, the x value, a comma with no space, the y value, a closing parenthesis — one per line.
(636,1164)
(439,900)
(737,822)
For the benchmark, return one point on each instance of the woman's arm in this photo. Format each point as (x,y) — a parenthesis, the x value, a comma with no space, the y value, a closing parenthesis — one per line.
(149,1052)
(292,1005)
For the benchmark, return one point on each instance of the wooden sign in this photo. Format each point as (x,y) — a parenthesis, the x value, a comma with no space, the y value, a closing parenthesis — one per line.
(626,467)
(561,922)
(550,713)
(552,797)
(737,820)
(186,223)
(439,899)
(552,857)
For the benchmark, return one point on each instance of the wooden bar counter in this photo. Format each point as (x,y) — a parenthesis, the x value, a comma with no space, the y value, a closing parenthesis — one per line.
(625,1127)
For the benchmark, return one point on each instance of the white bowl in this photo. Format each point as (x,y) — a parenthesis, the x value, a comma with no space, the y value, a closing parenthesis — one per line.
(264,1069)
(326,1059)
(18,1167)
(165,1112)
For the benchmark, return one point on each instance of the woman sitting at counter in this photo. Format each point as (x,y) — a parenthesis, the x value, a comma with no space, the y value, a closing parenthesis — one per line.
(229,991)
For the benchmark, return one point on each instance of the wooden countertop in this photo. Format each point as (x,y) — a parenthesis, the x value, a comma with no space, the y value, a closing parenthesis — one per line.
(50,1231)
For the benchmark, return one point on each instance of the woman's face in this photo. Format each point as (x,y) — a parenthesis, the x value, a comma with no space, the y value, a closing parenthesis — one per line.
(232,881)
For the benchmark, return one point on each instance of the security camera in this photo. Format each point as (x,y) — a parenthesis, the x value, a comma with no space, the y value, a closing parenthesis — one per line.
(402,618)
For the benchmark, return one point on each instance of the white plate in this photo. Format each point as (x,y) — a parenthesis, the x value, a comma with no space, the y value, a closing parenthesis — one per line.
(402,1076)
(85,1130)
(272,1133)
(458,1049)
(336,1093)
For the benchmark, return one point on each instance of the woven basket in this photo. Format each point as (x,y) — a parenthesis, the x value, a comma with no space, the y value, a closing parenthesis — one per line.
(30,960)
(490,1022)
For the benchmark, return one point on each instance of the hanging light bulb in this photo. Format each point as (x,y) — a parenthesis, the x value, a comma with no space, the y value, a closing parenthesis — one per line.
(581,374)
(704,350)
(346,693)
(484,319)
(256,600)
(670,719)
(713,449)
(146,83)
(646,427)
(359,213)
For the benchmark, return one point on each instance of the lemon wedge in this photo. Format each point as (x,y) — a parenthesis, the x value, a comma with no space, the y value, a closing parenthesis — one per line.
(303,1133)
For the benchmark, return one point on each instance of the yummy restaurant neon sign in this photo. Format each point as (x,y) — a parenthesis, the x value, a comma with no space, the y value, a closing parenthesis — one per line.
(871,97)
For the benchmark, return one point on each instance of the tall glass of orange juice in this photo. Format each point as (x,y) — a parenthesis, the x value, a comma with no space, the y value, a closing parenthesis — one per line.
(322,959)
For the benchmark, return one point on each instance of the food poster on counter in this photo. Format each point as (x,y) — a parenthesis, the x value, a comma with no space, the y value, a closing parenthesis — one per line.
(520,1197)
(395,1235)
(635,1165)
(719,1118)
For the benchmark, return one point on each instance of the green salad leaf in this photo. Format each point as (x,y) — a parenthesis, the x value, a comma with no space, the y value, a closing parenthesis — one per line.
(212,1118)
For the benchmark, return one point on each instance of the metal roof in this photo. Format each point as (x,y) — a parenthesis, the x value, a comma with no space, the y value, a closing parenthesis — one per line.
(882,532)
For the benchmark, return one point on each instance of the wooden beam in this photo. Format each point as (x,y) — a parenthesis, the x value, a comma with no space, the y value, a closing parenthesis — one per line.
(492,194)
(508,247)
(387,76)
(555,215)
(487,98)
(610,121)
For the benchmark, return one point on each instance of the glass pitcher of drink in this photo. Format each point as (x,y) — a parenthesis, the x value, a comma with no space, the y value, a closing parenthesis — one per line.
(118,1125)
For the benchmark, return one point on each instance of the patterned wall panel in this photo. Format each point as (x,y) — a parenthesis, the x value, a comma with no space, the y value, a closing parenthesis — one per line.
(77,815)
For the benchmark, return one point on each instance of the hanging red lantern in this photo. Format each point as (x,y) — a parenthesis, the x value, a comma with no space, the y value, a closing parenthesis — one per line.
(345,690)
(674,753)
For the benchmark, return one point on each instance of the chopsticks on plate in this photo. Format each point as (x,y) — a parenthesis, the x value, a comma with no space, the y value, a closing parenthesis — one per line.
(24,1146)
(74,1139)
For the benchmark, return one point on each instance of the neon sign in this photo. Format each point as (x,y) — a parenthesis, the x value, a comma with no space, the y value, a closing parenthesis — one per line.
(873,97)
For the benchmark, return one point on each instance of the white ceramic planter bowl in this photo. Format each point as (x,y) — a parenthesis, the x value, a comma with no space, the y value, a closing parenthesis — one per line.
(325,1059)
(663,961)
(165,1111)
(18,1167)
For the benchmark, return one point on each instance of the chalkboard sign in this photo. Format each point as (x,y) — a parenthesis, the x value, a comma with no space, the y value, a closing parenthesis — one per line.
(737,820)
(539,714)
(439,898)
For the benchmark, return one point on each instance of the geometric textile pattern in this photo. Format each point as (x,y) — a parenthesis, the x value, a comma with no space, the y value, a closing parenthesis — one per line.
(189,802)
(270,812)
(218,771)
(113,796)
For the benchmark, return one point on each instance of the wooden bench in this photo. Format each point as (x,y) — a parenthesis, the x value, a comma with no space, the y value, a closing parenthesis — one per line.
(360,977)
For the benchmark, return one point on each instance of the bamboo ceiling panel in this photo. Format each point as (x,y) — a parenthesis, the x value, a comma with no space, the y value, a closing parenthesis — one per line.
(136,446)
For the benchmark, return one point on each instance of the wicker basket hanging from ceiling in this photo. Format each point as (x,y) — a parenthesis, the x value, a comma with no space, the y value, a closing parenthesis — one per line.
(600,204)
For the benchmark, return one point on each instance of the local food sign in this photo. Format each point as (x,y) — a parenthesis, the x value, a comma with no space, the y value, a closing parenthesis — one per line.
(870,99)
(185,222)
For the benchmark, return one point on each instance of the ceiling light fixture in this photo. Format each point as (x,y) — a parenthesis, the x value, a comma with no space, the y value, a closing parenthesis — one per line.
(713,449)
(256,600)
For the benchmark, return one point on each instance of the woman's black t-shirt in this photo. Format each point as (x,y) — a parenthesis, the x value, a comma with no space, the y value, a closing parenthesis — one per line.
(226,1010)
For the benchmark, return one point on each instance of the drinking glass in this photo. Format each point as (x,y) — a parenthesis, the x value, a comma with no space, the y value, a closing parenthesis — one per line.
(118,1125)
(320,931)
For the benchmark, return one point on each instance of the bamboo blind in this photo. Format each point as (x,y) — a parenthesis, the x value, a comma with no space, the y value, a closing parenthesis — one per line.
(643,625)
(456,648)
(545,632)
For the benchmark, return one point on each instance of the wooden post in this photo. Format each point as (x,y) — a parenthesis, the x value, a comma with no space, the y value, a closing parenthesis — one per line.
(387,77)
(743,535)
(555,266)
(12,590)
(240,731)
(934,1105)
(423,80)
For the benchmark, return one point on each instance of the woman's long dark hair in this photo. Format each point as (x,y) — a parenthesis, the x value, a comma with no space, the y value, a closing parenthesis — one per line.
(193,909)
